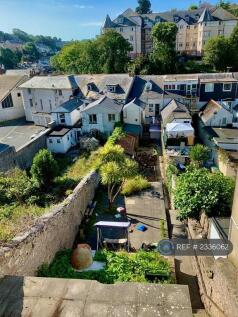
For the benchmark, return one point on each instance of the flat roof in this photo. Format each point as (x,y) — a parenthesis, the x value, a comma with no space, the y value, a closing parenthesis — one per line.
(36,296)
(59,131)
(18,132)
(226,133)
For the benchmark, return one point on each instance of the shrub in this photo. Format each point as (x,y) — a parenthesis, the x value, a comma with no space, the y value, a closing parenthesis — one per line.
(44,168)
(200,190)
(134,185)
(170,171)
(199,154)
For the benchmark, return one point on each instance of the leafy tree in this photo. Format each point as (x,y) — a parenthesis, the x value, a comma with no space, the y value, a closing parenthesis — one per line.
(144,7)
(113,51)
(224,4)
(44,168)
(80,57)
(21,35)
(108,53)
(142,65)
(234,46)
(218,52)
(199,154)
(200,190)
(8,58)
(30,52)
(193,7)
(114,169)
(164,39)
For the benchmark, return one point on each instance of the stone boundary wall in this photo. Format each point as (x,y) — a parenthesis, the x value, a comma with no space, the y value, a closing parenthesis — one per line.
(217,279)
(52,232)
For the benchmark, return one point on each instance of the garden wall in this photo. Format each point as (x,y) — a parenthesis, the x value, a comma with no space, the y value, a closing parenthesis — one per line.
(52,232)
(217,279)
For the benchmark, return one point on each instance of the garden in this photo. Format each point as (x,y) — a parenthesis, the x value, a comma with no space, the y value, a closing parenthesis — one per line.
(199,189)
(120,266)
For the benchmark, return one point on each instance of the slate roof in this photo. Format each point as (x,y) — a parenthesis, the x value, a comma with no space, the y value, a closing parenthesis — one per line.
(100,83)
(138,90)
(174,110)
(210,109)
(8,83)
(69,105)
(106,103)
(108,23)
(190,16)
(136,102)
(51,82)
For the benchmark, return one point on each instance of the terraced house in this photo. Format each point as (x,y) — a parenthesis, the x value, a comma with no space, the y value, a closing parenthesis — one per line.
(195,28)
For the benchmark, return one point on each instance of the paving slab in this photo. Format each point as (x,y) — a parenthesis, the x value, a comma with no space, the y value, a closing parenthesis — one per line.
(49,297)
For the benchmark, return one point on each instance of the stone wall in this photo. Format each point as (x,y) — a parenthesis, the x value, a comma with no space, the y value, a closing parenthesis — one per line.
(7,158)
(51,233)
(218,282)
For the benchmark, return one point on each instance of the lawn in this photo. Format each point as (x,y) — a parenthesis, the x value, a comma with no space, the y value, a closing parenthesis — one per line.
(120,267)
(16,216)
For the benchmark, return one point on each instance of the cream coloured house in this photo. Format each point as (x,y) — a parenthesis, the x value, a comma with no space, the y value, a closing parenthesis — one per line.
(194,28)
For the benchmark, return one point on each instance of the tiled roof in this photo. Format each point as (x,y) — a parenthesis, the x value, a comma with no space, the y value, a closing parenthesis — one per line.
(51,82)
(106,103)
(69,105)
(174,110)
(8,83)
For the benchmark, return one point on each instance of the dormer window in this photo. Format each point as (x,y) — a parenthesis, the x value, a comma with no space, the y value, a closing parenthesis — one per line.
(187,18)
(90,87)
(120,20)
(197,17)
(112,88)
(176,19)
(148,86)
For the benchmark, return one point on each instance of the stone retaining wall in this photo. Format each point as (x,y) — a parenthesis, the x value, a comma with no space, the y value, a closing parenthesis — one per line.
(51,233)
(218,279)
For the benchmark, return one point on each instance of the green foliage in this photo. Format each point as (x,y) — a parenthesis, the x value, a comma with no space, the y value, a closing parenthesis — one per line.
(116,135)
(144,7)
(199,190)
(120,267)
(136,184)
(142,65)
(108,53)
(193,7)
(218,52)
(162,229)
(30,52)
(199,154)
(8,58)
(224,4)
(44,168)
(164,53)
(170,171)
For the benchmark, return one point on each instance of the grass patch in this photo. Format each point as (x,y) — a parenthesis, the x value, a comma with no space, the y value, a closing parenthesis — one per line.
(135,185)
(120,267)
(15,217)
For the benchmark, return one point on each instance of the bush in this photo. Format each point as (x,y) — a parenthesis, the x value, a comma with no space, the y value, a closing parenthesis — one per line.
(200,190)
(44,168)
(199,154)
(120,267)
(170,171)
(134,185)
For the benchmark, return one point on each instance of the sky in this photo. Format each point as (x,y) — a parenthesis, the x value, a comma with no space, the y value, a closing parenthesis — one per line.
(71,19)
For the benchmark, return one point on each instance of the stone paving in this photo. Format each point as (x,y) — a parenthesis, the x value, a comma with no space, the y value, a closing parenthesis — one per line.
(48,297)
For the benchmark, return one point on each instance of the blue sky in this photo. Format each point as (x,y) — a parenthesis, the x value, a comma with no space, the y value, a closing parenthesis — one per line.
(70,19)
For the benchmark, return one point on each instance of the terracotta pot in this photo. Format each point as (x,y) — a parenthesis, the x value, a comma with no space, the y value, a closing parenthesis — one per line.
(82,257)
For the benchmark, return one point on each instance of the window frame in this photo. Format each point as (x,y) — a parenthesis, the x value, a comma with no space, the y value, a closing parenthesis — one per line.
(7,102)
(92,118)
(227,90)
(111,117)
(207,85)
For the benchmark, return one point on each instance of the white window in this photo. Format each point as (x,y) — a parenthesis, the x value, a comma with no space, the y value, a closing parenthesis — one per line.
(41,104)
(132,29)
(50,105)
(50,141)
(131,38)
(62,118)
(58,141)
(151,108)
(209,87)
(92,118)
(220,32)
(60,92)
(224,121)
(227,87)
(111,88)
(29,91)
(121,29)
(18,94)
(181,27)
(180,44)
(111,117)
